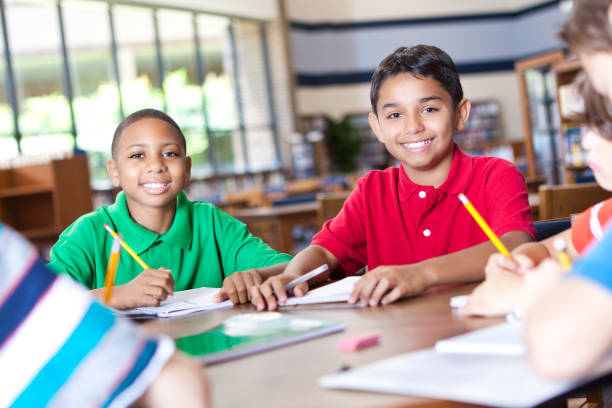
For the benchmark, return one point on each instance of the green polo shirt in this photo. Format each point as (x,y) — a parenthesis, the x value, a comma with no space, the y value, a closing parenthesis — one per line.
(201,248)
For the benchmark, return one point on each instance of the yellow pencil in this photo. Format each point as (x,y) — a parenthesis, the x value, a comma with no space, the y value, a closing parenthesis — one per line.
(483,224)
(127,248)
(560,247)
(111,269)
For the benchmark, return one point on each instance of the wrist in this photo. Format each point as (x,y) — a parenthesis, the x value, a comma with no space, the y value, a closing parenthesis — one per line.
(430,276)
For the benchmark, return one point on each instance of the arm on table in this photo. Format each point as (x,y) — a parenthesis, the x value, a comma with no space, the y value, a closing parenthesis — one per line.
(386,284)
(272,291)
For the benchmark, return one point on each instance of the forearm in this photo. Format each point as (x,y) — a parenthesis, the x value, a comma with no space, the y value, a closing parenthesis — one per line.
(269,271)
(310,258)
(574,320)
(467,265)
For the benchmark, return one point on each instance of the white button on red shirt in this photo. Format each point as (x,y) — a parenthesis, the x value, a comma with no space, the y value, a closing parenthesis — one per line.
(426,232)
(422,194)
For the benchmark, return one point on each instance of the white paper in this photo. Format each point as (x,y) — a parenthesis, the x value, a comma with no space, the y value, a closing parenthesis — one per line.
(182,303)
(494,380)
(334,292)
(501,339)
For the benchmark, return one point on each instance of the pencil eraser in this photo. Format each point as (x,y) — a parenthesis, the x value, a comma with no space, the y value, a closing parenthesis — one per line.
(358,342)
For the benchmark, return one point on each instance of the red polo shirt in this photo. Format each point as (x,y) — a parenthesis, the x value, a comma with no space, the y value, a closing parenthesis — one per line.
(389,220)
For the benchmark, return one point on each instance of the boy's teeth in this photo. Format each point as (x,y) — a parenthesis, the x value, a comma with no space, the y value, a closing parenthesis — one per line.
(415,145)
(155,185)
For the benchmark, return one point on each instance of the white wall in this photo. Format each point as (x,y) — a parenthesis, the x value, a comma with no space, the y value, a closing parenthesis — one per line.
(368,10)
(257,9)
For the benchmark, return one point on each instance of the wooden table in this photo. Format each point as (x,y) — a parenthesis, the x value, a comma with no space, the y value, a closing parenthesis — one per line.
(275,224)
(288,376)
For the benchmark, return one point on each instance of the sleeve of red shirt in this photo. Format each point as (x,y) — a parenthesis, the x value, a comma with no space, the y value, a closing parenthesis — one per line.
(344,235)
(507,201)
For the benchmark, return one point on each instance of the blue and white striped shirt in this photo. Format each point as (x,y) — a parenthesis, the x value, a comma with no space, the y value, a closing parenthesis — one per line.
(59,347)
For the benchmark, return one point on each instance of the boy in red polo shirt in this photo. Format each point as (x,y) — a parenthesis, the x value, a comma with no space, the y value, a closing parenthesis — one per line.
(406,223)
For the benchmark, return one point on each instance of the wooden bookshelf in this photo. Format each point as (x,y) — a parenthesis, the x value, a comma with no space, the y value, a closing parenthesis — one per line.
(540,117)
(570,133)
(41,200)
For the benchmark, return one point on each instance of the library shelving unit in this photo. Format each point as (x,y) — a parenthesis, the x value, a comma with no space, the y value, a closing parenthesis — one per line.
(374,155)
(483,134)
(540,115)
(570,102)
(41,200)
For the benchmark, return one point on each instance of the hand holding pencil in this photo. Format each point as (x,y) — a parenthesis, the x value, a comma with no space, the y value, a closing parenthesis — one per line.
(149,288)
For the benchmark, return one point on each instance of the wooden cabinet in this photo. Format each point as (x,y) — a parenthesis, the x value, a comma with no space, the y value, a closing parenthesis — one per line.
(570,135)
(539,107)
(41,200)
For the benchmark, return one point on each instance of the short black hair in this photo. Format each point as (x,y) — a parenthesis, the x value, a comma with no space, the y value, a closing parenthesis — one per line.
(146,114)
(420,60)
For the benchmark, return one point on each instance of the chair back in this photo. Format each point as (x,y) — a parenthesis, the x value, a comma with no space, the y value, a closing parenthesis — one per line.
(546,229)
(330,204)
(562,201)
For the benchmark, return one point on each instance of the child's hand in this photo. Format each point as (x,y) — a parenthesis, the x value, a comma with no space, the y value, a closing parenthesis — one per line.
(498,295)
(149,288)
(537,283)
(272,291)
(386,284)
(498,263)
(237,286)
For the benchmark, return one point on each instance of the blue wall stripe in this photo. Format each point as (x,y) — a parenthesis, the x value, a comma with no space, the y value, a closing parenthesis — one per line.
(96,322)
(141,363)
(17,307)
(361,77)
(426,20)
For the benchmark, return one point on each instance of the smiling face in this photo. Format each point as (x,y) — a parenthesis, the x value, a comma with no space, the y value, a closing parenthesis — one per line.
(599,152)
(416,121)
(150,165)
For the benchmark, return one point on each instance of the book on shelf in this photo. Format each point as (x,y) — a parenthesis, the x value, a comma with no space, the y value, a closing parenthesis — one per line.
(570,100)
(575,156)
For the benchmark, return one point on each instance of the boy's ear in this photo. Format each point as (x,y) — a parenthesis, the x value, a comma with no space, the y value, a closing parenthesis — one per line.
(462,114)
(113,172)
(373,119)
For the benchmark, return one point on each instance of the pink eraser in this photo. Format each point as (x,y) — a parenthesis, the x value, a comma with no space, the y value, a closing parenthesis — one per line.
(358,342)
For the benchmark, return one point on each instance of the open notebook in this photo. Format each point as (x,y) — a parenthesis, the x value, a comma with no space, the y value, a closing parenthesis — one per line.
(334,292)
(249,333)
(182,303)
(495,379)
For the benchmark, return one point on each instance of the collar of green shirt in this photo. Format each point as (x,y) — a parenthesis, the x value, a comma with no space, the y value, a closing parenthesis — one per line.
(139,238)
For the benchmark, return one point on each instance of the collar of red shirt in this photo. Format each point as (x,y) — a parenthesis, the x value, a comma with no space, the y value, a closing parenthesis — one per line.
(456,182)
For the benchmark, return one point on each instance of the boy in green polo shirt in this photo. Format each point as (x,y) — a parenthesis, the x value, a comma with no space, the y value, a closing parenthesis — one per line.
(198,243)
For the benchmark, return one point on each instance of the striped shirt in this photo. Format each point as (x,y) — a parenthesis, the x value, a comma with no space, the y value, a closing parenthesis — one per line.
(588,228)
(59,347)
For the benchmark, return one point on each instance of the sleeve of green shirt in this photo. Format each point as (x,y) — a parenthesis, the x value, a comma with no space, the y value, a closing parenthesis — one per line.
(70,255)
(240,250)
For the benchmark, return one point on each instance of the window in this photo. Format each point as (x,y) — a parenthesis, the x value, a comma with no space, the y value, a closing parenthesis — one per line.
(80,66)
(44,111)
(182,84)
(8,144)
(138,73)
(254,89)
(96,95)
